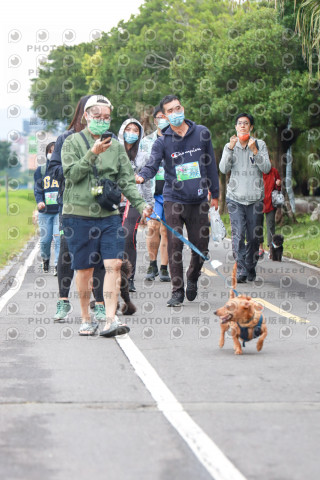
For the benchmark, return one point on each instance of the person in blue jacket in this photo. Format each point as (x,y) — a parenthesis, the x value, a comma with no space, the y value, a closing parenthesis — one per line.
(190,173)
(46,193)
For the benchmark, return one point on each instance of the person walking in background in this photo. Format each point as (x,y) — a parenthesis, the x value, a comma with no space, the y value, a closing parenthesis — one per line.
(271,182)
(247,159)
(157,232)
(65,271)
(130,135)
(190,171)
(46,193)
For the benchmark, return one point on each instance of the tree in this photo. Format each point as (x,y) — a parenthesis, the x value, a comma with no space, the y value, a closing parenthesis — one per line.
(5,154)
(250,64)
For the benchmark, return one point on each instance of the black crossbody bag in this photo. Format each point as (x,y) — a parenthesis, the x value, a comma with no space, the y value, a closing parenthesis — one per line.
(108,193)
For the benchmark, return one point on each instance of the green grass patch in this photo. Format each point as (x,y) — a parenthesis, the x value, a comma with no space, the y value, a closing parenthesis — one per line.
(301,240)
(16,227)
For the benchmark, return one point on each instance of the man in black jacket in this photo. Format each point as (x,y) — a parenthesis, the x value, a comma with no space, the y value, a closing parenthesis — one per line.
(190,172)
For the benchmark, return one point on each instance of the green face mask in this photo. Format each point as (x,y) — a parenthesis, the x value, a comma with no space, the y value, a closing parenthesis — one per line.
(98,127)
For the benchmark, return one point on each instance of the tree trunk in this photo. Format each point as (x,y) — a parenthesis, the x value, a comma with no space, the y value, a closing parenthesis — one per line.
(285,138)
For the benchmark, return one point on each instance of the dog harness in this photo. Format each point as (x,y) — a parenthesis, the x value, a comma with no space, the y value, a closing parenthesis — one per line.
(244,331)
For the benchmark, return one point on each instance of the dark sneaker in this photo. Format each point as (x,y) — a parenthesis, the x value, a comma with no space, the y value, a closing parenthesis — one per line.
(152,273)
(63,309)
(191,290)
(176,300)
(252,276)
(164,275)
(45,265)
(132,288)
(242,279)
(55,271)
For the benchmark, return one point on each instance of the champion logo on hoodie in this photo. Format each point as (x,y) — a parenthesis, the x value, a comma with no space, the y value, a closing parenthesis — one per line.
(190,152)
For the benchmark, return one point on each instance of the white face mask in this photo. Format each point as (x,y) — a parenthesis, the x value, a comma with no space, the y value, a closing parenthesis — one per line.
(49,156)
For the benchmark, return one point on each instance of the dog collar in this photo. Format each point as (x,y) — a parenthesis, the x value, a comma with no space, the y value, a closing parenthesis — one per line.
(275,246)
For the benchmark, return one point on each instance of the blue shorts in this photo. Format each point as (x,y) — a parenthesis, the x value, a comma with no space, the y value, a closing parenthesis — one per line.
(92,240)
(158,208)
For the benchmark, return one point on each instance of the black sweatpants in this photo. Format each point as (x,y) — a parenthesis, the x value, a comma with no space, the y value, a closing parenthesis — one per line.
(130,225)
(195,218)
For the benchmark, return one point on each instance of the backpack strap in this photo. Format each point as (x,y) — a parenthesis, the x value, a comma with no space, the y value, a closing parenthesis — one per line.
(95,171)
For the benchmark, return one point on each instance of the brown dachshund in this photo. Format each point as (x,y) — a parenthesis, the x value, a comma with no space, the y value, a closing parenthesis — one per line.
(243,316)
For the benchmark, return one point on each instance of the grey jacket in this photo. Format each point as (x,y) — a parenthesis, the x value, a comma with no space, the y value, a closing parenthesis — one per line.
(145,189)
(246,181)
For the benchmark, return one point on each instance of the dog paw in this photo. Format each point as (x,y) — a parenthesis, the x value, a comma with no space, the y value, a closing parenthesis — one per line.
(221,344)
(259,346)
(238,352)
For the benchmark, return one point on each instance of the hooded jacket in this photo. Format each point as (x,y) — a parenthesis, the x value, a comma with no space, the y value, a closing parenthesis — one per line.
(246,183)
(189,165)
(139,162)
(269,180)
(46,190)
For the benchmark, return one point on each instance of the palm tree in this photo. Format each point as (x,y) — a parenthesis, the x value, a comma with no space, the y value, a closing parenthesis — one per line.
(308,26)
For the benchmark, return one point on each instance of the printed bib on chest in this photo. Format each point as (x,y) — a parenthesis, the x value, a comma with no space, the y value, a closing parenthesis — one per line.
(51,198)
(188,171)
(160,174)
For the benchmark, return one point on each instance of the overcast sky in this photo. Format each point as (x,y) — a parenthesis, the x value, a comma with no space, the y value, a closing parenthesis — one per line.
(29,29)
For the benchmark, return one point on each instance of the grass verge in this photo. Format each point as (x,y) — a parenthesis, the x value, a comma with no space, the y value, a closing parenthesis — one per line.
(16,226)
(301,240)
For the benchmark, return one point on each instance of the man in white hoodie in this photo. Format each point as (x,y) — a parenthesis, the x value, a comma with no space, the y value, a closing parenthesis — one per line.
(247,159)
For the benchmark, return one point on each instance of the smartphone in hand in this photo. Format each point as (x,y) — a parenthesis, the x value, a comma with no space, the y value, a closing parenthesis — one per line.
(106,135)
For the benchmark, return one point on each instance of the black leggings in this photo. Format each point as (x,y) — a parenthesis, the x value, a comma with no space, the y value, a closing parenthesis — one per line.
(130,225)
(65,273)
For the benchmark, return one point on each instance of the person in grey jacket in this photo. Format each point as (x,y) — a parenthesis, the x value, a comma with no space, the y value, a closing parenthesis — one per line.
(130,135)
(247,159)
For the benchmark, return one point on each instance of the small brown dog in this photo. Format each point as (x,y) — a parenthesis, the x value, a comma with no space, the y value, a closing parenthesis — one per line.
(243,316)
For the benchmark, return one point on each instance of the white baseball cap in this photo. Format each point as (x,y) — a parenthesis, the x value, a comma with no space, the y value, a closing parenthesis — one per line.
(96,100)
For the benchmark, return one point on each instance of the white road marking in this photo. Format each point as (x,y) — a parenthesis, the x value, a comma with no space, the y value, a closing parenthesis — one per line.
(19,277)
(207,452)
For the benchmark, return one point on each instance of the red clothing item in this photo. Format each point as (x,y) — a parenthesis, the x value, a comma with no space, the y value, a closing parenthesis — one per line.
(269,180)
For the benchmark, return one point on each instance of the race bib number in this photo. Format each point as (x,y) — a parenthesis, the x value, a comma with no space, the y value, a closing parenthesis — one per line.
(160,174)
(188,171)
(51,198)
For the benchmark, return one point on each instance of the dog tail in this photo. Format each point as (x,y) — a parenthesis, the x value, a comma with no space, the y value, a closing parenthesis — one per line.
(233,281)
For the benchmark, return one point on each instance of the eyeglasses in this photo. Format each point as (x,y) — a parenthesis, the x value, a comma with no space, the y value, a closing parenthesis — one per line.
(176,109)
(98,117)
(243,123)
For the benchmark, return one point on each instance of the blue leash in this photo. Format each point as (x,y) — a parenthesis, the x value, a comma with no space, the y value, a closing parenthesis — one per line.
(182,238)
(193,247)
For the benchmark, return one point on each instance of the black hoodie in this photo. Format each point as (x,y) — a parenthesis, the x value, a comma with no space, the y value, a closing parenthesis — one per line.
(189,164)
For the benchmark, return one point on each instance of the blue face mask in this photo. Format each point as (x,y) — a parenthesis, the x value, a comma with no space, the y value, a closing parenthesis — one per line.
(176,119)
(162,123)
(130,137)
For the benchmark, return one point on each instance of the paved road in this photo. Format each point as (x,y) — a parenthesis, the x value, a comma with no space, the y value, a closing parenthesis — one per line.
(73,407)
